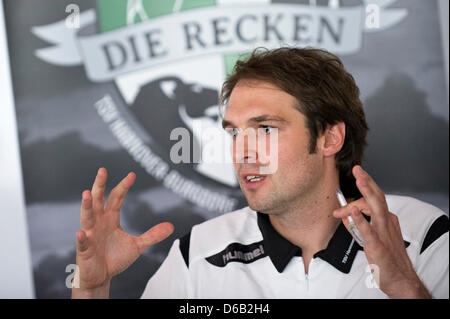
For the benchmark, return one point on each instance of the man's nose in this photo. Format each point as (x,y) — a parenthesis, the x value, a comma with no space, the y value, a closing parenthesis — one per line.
(245,148)
(248,157)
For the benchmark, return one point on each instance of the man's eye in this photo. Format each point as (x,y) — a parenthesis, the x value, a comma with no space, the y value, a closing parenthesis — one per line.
(267,129)
(233,131)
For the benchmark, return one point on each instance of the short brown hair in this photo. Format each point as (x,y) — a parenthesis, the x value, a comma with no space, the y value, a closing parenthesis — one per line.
(326,94)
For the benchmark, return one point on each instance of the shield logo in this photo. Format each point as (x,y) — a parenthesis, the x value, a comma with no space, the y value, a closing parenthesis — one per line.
(177,94)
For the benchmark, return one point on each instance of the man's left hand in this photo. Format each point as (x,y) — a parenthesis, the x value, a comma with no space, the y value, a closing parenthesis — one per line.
(383,241)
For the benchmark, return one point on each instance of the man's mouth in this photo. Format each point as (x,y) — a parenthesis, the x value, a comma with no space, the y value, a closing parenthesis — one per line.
(252,181)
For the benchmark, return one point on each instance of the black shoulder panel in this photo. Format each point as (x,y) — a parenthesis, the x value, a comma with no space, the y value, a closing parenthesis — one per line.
(437,229)
(185,241)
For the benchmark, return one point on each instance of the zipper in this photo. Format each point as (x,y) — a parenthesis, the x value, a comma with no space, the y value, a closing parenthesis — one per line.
(307,276)
(307,282)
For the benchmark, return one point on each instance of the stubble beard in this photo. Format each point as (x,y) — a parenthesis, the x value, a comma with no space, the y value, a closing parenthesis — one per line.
(278,201)
(285,196)
(269,204)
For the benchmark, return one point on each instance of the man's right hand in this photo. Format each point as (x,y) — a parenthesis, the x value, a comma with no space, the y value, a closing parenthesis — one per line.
(104,249)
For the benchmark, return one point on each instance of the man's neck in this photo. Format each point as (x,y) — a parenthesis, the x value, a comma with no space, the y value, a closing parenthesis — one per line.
(311,224)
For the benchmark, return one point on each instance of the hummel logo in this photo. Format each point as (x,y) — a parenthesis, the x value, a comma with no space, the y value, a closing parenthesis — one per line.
(238,253)
(243,256)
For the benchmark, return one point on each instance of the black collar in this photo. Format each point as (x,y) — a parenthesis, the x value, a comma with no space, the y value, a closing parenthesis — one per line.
(340,252)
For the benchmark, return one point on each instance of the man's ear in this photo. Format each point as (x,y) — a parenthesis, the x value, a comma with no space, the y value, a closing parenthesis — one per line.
(334,137)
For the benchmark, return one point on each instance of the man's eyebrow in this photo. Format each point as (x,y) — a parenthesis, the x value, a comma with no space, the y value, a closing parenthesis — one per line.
(256,119)
(226,123)
(266,118)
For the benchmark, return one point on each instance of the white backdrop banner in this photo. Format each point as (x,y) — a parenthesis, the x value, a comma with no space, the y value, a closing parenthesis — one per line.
(211,30)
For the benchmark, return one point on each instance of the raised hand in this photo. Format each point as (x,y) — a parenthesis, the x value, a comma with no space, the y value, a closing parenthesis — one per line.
(383,241)
(104,249)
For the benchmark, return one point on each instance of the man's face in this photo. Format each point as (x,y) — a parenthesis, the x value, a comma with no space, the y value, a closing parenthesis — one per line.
(261,105)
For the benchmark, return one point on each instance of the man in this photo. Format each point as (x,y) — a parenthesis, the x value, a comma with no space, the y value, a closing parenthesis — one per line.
(292,241)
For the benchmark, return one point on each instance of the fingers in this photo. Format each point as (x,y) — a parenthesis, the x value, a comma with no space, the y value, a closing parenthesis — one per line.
(153,236)
(81,241)
(369,189)
(87,216)
(358,205)
(374,197)
(117,195)
(370,237)
(344,211)
(98,190)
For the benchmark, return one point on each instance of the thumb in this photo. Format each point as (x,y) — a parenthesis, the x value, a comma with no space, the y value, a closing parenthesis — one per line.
(154,235)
